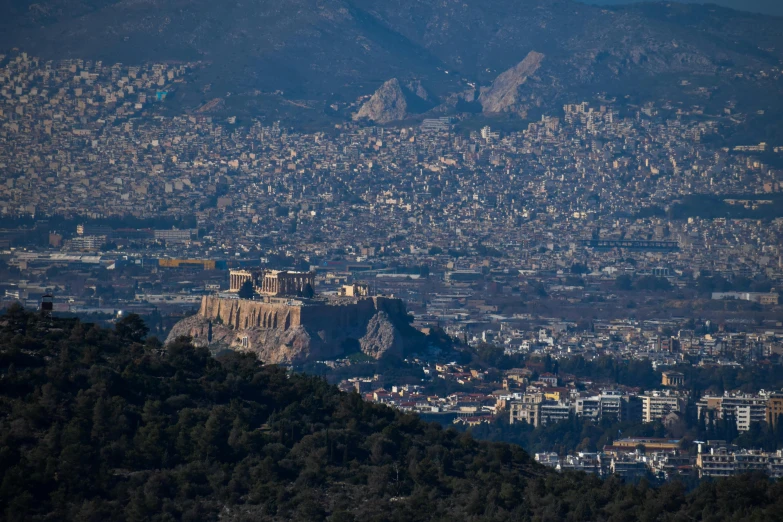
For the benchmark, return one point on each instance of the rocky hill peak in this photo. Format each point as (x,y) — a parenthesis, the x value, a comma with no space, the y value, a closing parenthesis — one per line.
(387,104)
(504,93)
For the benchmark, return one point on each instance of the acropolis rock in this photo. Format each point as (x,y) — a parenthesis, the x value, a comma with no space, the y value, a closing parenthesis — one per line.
(294,331)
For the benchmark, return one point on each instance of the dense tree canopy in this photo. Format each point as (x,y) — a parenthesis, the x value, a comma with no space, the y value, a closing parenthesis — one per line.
(246,291)
(100,424)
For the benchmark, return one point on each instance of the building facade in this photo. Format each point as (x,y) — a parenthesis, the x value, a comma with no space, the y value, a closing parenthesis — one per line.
(658,404)
(724,463)
(527,410)
(672,379)
(774,409)
(745,409)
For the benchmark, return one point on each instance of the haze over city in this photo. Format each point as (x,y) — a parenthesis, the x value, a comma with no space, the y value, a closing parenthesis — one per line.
(772,7)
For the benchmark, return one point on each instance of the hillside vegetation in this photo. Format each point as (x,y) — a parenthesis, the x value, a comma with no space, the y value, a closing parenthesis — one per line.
(100,424)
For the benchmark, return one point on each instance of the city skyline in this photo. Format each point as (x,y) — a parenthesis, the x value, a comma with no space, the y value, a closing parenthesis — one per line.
(391,260)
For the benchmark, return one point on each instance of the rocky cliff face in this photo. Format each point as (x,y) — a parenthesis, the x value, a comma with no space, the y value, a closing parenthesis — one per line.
(318,332)
(382,338)
(271,346)
(387,104)
(504,93)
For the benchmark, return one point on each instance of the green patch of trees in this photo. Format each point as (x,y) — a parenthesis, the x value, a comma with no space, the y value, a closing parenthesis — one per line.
(246,291)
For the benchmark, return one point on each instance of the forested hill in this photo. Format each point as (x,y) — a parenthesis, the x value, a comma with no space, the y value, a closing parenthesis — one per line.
(100,425)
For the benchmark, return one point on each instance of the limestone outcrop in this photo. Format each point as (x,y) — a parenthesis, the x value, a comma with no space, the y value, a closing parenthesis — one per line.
(270,345)
(294,332)
(387,104)
(382,338)
(504,93)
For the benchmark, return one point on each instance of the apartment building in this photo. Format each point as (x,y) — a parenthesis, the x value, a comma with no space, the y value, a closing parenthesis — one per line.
(527,410)
(744,408)
(774,409)
(610,404)
(724,463)
(537,411)
(657,404)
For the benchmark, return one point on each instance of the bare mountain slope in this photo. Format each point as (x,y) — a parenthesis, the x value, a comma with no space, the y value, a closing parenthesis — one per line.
(503,95)
(324,50)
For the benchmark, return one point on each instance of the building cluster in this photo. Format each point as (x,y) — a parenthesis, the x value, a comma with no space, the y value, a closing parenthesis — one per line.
(486,213)
(539,402)
(634,458)
(478,300)
(743,408)
(81,138)
(549,405)
(56,121)
(496,221)
(543,398)
(84,138)
(543,401)
(663,343)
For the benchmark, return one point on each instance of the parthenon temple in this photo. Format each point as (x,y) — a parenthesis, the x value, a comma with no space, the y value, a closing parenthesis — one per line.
(273,283)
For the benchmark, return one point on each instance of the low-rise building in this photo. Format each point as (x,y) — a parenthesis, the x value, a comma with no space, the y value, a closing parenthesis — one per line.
(724,462)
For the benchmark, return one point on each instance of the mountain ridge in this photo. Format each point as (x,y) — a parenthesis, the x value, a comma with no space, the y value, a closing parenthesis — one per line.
(329,51)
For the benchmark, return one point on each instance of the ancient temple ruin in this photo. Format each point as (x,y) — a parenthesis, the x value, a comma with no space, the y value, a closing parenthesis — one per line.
(274,283)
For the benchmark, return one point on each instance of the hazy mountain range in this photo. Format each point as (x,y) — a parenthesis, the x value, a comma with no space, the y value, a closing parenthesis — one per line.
(324,52)
(773,7)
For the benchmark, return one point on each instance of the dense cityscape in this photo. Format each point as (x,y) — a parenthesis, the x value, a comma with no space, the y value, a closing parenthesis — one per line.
(606,231)
(393,261)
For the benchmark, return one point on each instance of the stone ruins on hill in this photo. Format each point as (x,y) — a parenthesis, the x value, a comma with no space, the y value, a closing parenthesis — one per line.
(286,323)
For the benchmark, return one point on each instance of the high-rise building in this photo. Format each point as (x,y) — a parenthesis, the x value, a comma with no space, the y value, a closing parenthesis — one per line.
(488,135)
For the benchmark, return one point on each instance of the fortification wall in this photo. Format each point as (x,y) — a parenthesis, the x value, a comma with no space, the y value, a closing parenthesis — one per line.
(341,314)
(242,314)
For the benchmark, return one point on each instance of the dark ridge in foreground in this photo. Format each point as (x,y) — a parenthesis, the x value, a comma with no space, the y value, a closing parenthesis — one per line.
(98,424)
